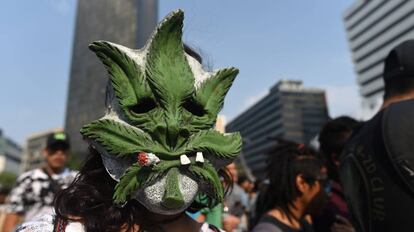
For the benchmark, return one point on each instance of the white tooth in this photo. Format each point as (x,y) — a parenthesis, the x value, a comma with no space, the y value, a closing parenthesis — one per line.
(184,160)
(199,157)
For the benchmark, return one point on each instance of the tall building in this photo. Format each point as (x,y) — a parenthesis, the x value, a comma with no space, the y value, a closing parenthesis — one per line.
(289,111)
(35,143)
(10,155)
(127,22)
(373,29)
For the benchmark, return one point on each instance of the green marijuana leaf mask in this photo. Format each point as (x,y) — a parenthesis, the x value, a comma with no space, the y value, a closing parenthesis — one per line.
(157,139)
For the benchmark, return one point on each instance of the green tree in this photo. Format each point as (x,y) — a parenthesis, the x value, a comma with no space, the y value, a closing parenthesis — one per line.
(7,179)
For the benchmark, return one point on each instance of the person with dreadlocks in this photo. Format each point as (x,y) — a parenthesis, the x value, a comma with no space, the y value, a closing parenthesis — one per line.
(295,190)
(155,154)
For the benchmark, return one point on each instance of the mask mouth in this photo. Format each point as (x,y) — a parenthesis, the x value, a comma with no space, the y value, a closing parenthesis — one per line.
(116,166)
(172,194)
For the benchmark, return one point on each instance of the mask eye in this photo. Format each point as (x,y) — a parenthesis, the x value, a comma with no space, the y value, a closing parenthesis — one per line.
(194,107)
(145,105)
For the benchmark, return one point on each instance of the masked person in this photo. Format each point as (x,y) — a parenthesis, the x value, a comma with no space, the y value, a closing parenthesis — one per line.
(34,191)
(155,154)
(295,190)
(377,167)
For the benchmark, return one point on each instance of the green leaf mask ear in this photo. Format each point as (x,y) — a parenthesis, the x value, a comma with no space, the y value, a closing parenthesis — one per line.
(167,68)
(117,138)
(208,174)
(126,76)
(216,144)
(212,91)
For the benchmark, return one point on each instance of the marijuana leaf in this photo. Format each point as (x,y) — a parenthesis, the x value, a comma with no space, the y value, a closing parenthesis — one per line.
(209,174)
(167,68)
(128,183)
(135,177)
(126,76)
(212,91)
(117,138)
(215,143)
(166,164)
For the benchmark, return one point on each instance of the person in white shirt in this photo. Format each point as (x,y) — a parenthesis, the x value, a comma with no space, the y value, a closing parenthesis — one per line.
(34,191)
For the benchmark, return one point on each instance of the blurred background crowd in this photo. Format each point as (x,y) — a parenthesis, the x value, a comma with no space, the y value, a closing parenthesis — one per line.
(294,136)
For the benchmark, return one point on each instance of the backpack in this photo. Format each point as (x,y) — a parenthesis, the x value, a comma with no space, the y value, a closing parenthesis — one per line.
(377,171)
(398,136)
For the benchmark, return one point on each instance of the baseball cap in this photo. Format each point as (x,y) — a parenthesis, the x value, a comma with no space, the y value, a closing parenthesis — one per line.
(400,61)
(57,140)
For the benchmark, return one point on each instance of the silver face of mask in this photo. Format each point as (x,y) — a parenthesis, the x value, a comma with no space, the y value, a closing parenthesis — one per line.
(152,196)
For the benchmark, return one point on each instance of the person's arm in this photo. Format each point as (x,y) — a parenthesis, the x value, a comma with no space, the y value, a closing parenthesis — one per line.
(15,208)
(11,221)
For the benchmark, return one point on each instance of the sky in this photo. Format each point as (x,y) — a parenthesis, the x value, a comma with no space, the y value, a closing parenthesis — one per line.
(267,40)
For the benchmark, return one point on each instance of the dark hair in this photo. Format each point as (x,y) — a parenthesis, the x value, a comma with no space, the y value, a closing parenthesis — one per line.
(332,140)
(398,86)
(89,197)
(242,179)
(286,162)
(190,51)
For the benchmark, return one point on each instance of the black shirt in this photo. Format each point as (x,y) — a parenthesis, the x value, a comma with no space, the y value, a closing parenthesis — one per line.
(270,224)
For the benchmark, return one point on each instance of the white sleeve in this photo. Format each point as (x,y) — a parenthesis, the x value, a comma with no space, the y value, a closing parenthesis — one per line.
(45,224)
(41,224)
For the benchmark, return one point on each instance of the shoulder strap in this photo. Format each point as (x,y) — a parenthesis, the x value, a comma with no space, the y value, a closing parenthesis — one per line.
(355,178)
(398,136)
(60,225)
(213,228)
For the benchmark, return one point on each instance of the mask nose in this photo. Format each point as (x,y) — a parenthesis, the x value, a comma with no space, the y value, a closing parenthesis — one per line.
(172,198)
(173,133)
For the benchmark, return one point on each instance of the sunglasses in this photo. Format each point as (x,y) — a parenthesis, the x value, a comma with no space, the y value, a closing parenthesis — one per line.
(52,149)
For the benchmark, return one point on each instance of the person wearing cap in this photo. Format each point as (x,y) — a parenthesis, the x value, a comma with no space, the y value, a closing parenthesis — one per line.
(377,165)
(34,191)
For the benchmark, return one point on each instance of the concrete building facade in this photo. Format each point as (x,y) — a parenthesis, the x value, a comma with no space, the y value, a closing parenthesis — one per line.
(127,22)
(10,155)
(35,143)
(289,111)
(373,29)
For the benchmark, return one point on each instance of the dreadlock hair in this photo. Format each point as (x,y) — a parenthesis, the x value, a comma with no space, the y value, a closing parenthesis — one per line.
(286,161)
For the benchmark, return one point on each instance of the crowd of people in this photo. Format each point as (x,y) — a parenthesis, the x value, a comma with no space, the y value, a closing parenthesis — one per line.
(156,164)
